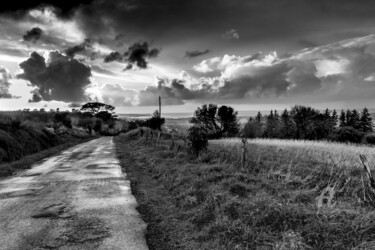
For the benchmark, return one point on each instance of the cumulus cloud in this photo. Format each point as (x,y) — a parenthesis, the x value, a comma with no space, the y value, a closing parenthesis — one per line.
(196,53)
(33,35)
(208,65)
(136,55)
(56,77)
(333,72)
(177,91)
(230,35)
(338,71)
(114,56)
(116,95)
(149,96)
(86,45)
(5,84)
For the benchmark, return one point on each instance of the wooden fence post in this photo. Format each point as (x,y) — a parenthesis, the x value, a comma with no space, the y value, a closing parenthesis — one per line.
(244,152)
(366,166)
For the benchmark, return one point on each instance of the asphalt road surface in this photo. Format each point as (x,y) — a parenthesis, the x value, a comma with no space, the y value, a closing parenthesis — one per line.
(79,199)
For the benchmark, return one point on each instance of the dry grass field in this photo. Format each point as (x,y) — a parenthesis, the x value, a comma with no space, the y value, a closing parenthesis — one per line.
(287,195)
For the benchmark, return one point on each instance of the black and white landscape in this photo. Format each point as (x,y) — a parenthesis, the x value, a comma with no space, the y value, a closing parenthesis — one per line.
(189,124)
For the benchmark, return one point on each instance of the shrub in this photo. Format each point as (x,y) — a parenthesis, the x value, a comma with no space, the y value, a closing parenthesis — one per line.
(346,134)
(98,125)
(63,118)
(370,138)
(198,137)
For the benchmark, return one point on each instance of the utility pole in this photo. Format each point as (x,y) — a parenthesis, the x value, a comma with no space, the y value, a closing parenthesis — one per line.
(159,107)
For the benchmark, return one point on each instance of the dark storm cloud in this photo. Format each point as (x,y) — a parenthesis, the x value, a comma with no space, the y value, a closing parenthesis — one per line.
(170,20)
(86,45)
(196,53)
(114,56)
(252,21)
(33,35)
(5,84)
(59,78)
(137,54)
(65,7)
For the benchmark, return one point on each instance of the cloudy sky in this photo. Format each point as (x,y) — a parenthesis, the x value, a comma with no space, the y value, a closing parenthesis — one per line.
(251,54)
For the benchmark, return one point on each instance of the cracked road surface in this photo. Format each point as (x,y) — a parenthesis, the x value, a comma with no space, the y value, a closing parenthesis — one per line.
(78,199)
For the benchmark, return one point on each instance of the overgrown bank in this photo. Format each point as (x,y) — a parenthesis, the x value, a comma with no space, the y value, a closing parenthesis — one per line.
(23,143)
(278,201)
(10,168)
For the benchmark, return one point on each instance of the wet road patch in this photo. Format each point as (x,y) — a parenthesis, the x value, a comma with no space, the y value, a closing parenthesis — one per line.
(55,211)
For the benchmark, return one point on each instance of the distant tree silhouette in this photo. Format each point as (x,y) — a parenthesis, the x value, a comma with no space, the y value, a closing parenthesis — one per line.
(99,110)
(307,123)
(155,122)
(218,122)
(342,119)
(287,129)
(366,121)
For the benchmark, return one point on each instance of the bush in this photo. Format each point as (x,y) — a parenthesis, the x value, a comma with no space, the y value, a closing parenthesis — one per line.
(346,134)
(198,137)
(370,138)
(98,125)
(63,118)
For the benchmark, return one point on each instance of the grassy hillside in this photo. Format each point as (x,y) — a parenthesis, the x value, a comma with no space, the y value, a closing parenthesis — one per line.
(33,133)
(289,195)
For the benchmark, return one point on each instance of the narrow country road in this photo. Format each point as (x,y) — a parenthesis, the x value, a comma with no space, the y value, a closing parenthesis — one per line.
(79,199)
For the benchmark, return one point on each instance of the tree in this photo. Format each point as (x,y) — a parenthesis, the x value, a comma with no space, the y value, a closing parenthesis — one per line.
(155,122)
(287,128)
(250,130)
(218,122)
(227,117)
(334,120)
(355,119)
(347,134)
(259,124)
(270,129)
(342,119)
(303,118)
(349,121)
(100,110)
(366,121)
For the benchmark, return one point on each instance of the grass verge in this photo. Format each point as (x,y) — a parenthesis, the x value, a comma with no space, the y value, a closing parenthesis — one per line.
(275,202)
(11,168)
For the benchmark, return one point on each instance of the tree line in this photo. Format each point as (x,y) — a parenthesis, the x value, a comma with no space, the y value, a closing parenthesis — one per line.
(211,121)
(307,123)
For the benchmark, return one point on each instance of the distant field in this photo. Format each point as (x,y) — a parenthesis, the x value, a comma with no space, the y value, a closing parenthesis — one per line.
(182,124)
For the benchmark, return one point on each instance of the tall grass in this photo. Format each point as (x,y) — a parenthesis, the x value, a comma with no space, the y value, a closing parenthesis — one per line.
(344,155)
(279,200)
